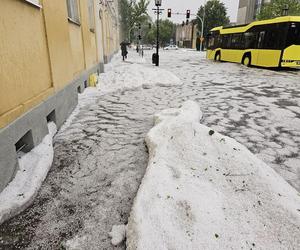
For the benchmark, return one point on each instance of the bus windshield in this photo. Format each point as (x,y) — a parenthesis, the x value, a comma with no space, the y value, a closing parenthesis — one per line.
(293,37)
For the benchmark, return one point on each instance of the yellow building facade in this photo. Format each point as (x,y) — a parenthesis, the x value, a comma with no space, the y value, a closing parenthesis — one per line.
(48,50)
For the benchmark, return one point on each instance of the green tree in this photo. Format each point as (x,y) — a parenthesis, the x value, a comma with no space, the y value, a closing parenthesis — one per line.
(139,12)
(150,35)
(276,7)
(133,13)
(215,15)
(167,30)
(125,9)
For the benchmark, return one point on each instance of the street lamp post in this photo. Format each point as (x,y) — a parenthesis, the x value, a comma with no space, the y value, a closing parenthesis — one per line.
(202,29)
(158,4)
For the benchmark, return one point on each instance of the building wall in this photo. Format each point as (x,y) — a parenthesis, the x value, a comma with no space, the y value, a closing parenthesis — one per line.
(99,32)
(186,35)
(76,48)
(110,30)
(88,36)
(59,43)
(45,59)
(248,9)
(24,59)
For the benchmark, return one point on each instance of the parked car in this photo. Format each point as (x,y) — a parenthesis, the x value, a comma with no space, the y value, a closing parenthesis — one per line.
(147,47)
(171,47)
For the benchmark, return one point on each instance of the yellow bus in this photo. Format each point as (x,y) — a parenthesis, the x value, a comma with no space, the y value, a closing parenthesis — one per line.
(270,43)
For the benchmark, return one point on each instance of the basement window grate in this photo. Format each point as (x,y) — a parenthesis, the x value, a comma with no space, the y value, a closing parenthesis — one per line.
(51,117)
(25,144)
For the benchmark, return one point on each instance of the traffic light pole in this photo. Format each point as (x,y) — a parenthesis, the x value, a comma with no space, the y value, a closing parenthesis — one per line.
(202,31)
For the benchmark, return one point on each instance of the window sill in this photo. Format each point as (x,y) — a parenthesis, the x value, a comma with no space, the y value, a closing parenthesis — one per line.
(38,6)
(73,21)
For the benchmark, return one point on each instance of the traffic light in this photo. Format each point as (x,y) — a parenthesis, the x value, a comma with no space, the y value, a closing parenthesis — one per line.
(169,12)
(140,37)
(188,13)
(139,26)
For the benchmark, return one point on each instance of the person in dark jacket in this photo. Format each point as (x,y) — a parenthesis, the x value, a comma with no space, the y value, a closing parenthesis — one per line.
(124,51)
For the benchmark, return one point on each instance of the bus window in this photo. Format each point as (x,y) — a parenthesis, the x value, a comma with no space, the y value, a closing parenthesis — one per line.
(217,41)
(250,40)
(213,41)
(293,37)
(261,38)
(226,42)
(271,39)
(237,41)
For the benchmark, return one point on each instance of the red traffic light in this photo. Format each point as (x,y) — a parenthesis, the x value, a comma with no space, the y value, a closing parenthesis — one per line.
(169,12)
(188,13)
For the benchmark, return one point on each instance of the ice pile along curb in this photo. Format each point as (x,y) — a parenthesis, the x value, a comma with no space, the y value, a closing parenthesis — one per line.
(133,75)
(33,169)
(203,190)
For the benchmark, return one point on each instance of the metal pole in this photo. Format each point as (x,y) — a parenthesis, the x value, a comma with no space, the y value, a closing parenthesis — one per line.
(157,37)
(202,31)
(129,34)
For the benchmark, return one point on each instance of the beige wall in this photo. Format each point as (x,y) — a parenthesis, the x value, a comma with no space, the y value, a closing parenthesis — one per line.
(110,29)
(76,48)
(41,51)
(24,59)
(57,28)
(88,36)
(187,33)
(99,32)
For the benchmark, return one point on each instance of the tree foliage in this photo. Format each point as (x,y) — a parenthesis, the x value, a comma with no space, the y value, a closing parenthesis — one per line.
(215,15)
(276,7)
(133,13)
(167,31)
(126,16)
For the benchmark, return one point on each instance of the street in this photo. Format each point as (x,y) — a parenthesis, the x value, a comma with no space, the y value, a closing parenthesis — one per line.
(101,157)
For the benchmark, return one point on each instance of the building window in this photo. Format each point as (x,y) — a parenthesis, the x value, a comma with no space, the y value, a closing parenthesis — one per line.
(91,15)
(33,1)
(73,12)
(36,3)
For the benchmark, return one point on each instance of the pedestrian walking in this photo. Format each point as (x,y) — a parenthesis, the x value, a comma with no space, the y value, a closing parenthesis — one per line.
(124,51)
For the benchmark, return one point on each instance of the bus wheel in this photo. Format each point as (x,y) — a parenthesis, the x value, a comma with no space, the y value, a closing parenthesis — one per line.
(218,56)
(247,60)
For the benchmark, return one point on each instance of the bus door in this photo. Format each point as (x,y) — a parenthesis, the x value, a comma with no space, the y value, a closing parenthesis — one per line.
(269,51)
(227,51)
(291,55)
(251,45)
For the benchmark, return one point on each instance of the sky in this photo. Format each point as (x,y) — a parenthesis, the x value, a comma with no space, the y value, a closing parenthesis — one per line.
(193,5)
